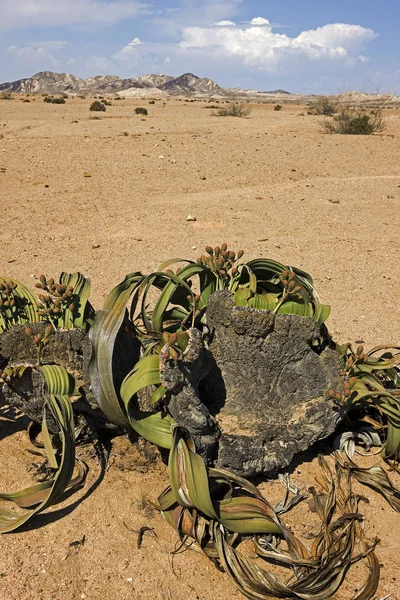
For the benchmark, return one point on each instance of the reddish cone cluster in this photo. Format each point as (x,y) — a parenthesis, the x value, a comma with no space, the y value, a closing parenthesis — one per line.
(220,259)
(288,280)
(57,300)
(7,299)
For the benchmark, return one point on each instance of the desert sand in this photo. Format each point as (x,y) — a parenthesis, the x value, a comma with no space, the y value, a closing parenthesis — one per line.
(111,195)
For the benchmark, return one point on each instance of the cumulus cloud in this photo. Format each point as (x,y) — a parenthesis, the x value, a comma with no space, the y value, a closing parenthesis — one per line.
(128,51)
(257,45)
(260,21)
(17,14)
(225,24)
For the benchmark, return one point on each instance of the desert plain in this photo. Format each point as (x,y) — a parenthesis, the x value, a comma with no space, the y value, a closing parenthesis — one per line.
(109,193)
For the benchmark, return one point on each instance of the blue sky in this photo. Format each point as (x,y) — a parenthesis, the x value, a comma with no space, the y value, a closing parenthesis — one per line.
(300,45)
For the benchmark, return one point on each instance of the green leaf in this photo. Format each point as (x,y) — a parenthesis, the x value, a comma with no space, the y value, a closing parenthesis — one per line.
(43,495)
(263,301)
(242,296)
(25,310)
(295,308)
(102,335)
(81,288)
(321,314)
(146,372)
(188,476)
(175,282)
(154,427)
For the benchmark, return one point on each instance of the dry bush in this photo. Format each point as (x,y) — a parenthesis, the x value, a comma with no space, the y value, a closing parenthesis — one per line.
(323,105)
(6,96)
(233,109)
(354,120)
(139,110)
(97,106)
(52,100)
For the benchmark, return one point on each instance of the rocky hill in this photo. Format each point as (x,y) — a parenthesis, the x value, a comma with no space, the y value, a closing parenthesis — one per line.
(64,83)
(189,84)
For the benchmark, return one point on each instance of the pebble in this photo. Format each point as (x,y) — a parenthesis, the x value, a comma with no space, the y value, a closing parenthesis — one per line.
(191,218)
(94,246)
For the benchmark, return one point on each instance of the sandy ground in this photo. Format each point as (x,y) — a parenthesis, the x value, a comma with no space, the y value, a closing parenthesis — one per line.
(273,184)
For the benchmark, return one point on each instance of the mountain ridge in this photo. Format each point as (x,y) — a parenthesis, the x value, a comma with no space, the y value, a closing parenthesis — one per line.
(187,84)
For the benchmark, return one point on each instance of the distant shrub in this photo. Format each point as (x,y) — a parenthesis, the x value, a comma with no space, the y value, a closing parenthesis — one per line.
(353,120)
(97,106)
(277,107)
(54,100)
(323,105)
(117,98)
(214,106)
(26,100)
(44,95)
(106,102)
(152,101)
(6,96)
(139,110)
(233,109)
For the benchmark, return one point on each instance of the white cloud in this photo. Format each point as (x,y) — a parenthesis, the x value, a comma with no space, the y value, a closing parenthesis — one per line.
(17,14)
(225,24)
(260,21)
(29,56)
(129,51)
(258,46)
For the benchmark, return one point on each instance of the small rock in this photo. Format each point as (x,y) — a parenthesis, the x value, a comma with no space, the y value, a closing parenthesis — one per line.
(94,246)
(334,201)
(87,174)
(138,239)
(191,218)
